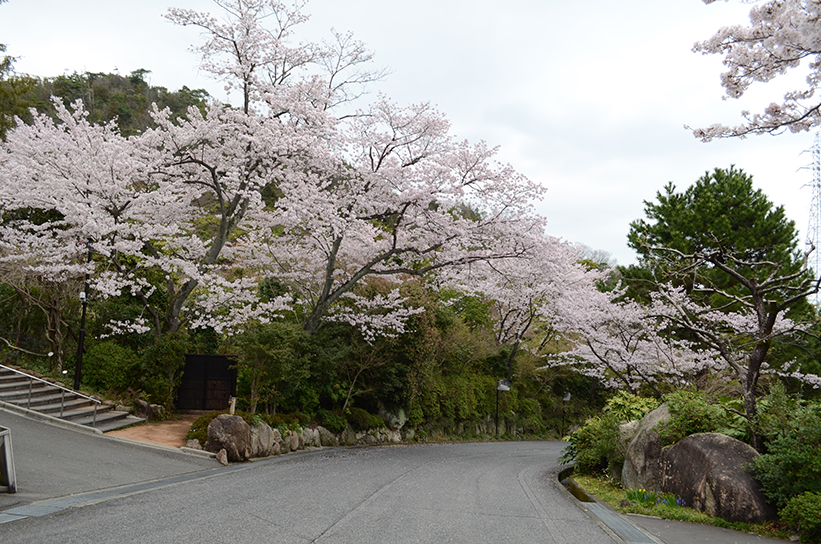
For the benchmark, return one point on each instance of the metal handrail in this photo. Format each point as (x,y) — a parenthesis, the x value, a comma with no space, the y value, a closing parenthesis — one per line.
(64,390)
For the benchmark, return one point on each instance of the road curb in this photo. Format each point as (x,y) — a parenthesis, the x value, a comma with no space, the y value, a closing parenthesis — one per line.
(617,526)
(19,410)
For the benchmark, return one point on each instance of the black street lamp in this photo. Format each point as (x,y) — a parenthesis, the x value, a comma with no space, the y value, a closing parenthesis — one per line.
(501,385)
(565,400)
(78,367)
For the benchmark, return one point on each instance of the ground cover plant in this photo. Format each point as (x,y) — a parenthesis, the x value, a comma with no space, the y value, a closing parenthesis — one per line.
(664,505)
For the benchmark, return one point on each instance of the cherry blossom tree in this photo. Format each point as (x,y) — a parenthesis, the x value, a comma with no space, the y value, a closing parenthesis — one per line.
(251,50)
(783,35)
(387,198)
(530,294)
(741,337)
(158,210)
(193,215)
(404,200)
(622,343)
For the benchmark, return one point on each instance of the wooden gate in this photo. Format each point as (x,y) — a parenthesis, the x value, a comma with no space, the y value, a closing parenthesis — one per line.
(208,382)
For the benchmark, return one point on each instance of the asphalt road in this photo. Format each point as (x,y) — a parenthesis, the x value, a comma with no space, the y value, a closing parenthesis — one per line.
(109,491)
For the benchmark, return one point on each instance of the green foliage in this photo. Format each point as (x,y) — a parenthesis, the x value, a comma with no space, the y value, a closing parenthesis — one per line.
(109,367)
(361,420)
(792,464)
(127,99)
(803,512)
(652,498)
(721,211)
(271,362)
(625,406)
(596,441)
(333,421)
(691,413)
(776,412)
(599,439)
(161,366)
(13,91)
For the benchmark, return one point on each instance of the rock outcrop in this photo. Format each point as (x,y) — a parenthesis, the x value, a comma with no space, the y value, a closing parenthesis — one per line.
(262,440)
(232,434)
(642,464)
(234,440)
(707,471)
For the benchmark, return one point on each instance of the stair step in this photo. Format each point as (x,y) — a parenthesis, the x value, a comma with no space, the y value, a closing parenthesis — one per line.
(43,397)
(85,412)
(49,399)
(51,406)
(113,424)
(20,385)
(67,407)
(9,377)
(108,419)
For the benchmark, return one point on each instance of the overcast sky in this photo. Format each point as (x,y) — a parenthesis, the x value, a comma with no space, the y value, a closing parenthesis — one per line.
(588,98)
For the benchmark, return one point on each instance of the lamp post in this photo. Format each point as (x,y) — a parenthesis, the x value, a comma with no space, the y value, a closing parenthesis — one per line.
(565,400)
(78,367)
(501,385)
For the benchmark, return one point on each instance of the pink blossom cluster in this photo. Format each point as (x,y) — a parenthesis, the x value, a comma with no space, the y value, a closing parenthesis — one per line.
(783,35)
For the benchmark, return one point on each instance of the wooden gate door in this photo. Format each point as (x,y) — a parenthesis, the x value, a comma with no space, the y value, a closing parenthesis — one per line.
(208,382)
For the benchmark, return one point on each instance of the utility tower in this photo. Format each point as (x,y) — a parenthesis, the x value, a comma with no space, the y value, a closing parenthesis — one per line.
(814,224)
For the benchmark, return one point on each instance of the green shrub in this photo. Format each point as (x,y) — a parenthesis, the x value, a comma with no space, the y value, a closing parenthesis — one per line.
(792,464)
(361,420)
(108,367)
(334,422)
(598,439)
(690,413)
(161,365)
(285,420)
(625,406)
(776,411)
(199,429)
(803,512)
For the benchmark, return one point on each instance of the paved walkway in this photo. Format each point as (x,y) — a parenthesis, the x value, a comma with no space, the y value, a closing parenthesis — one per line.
(59,468)
(54,461)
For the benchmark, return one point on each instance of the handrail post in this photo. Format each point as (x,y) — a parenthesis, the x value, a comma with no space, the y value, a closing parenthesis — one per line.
(94,423)
(62,401)
(31,382)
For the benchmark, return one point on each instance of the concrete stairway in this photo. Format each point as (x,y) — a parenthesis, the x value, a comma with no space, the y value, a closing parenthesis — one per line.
(36,394)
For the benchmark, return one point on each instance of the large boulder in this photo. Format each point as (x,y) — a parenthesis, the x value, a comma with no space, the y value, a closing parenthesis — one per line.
(348,436)
(284,442)
(642,463)
(327,438)
(707,471)
(262,440)
(311,437)
(232,434)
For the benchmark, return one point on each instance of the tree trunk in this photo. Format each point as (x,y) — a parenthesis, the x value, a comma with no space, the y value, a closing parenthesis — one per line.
(749,384)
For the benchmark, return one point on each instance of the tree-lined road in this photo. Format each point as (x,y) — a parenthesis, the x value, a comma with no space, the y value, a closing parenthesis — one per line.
(472,493)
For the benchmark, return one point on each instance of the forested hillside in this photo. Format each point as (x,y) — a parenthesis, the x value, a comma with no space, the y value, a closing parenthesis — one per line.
(106,97)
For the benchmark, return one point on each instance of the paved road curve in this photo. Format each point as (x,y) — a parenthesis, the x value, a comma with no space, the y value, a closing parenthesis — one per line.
(471,493)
